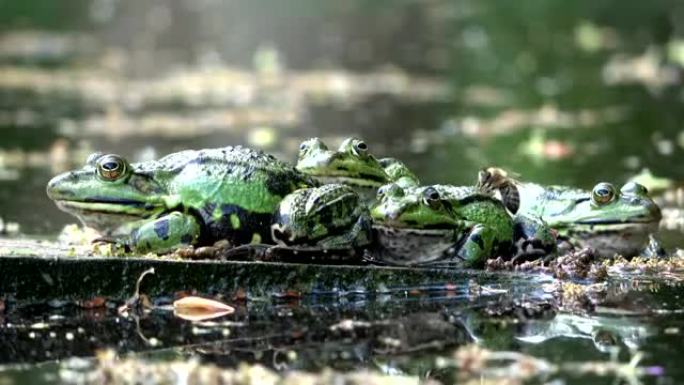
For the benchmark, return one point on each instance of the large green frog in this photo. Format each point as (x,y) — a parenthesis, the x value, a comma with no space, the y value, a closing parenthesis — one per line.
(185,198)
(609,220)
(440,224)
(351,164)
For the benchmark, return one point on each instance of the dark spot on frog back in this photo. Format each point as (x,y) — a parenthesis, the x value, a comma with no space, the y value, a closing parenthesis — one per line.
(161,228)
(145,184)
(221,227)
(186,239)
(284,183)
(478,240)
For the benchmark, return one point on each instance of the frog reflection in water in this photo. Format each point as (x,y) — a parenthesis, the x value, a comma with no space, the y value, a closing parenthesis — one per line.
(609,220)
(185,198)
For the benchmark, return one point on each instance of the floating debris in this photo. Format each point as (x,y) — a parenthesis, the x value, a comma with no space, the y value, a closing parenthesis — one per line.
(580,264)
(671,267)
(476,363)
(193,308)
(137,301)
(113,371)
(646,69)
(545,117)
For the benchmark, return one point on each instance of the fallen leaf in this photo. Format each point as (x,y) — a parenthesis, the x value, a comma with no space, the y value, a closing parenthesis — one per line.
(199,314)
(194,309)
(193,302)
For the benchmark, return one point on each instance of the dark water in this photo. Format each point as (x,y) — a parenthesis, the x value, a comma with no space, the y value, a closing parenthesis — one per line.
(559,92)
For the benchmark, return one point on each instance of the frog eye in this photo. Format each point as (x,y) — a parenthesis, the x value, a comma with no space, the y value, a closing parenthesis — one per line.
(633,188)
(391,190)
(360,147)
(111,167)
(603,193)
(431,196)
(311,144)
(382,191)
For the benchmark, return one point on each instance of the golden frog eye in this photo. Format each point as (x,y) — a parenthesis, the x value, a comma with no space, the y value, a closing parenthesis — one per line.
(111,167)
(431,197)
(360,147)
(603,193)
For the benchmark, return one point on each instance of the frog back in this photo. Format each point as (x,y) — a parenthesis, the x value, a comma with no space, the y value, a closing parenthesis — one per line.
(234,190)
(549,201)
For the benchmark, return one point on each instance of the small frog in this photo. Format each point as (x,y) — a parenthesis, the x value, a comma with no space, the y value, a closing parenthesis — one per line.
(352,165)
(330,217)
(440,224)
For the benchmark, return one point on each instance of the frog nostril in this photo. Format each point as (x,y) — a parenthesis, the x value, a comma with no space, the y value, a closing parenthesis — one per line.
(281,234)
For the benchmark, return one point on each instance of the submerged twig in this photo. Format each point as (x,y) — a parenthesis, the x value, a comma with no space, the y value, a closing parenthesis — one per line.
(137,301)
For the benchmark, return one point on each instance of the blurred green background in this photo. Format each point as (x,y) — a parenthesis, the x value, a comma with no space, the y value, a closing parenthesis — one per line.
(571,92)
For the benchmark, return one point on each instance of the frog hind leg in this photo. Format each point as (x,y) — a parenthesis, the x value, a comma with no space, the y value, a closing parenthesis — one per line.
(533,237)
(358,236)
(477,246)
(165,233)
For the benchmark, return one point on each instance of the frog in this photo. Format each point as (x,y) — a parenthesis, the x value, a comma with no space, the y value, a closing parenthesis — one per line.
(607,219)
(191,197)
(330,217)
(439,225)
(351,164)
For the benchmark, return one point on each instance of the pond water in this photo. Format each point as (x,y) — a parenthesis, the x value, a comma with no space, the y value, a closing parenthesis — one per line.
(558,92)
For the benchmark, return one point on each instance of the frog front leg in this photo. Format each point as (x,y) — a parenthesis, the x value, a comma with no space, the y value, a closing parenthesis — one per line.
(478,246)
(163,234)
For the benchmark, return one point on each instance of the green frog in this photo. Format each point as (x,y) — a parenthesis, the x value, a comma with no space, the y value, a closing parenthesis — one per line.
(439,224)
(351,164)
(185,198)
(609,220)
(330,217)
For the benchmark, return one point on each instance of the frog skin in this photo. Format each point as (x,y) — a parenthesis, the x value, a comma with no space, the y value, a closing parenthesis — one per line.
(186,198)
(439,224)
(330,217)
(351,164)
(609,220)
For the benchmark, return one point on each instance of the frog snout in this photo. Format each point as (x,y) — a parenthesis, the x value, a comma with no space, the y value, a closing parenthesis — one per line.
(282,234)
(56,186)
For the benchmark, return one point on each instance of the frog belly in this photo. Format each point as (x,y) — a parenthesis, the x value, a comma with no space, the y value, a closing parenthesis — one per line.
(412,246)
(627,240)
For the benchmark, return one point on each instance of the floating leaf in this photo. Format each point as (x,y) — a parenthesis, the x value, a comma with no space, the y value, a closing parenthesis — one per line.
(193,308)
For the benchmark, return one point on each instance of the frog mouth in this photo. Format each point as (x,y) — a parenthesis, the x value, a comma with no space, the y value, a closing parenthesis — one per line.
(107,206)
(424,231)
(412,225)
(640,221)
